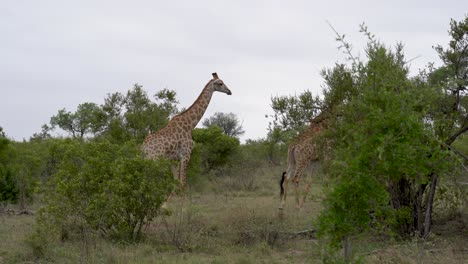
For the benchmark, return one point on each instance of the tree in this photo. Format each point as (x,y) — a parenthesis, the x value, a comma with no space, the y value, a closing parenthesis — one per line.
(214,147)
(293,113)
(450,112)
(44,134)
(229,123)
(384,149)
(120,118)
(88,119)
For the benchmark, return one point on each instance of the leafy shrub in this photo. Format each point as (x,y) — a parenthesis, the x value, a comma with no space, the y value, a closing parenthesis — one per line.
(28,166)
(22,167)
(8,187)
(214,147)
(105,188)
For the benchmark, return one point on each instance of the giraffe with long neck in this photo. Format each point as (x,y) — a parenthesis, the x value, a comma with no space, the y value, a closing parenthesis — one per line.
(302,152)
(174,141)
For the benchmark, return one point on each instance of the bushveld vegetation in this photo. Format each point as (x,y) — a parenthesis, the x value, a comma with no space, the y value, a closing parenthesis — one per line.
(391,186)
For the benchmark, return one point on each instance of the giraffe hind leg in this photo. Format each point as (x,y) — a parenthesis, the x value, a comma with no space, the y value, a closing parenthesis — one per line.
(285,178)
(308,173)
(283,189)
(297,178)
(308,182)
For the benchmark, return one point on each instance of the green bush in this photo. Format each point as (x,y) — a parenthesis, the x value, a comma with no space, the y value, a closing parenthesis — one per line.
(213,148)
(104,188)
(23,165)
(8,187)
(29,168)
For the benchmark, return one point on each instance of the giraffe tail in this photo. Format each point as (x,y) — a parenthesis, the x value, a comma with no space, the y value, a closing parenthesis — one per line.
(281,183)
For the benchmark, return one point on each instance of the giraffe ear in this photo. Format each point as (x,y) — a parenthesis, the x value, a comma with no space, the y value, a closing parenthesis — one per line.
(215,75)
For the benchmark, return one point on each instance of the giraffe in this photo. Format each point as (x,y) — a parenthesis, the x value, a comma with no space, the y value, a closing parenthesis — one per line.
(302,152)
(174,141)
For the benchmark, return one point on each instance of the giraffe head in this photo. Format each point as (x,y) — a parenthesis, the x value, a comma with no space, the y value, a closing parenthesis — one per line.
(219,85)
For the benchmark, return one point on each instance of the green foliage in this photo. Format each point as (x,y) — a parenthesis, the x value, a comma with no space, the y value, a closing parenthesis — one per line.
(348,206)
(263,151)
(384,147)
(292,114)
(229,123)
(449,114)
(120,118)
(23,165)
(29,165)
(339,87)
(103,187)
(214,147)
(8,187)
(88,119)
(383,141)
(142,116)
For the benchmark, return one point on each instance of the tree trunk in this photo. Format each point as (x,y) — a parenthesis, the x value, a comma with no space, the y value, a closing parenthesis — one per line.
(402,196)
(347,250)
(430,201)
(418,209)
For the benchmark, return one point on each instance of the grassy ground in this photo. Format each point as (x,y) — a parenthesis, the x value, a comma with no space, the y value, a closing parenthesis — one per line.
(220,222)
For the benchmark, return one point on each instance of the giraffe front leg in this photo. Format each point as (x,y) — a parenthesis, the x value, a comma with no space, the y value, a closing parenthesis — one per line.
(184,162)
(184,152)
(183,173)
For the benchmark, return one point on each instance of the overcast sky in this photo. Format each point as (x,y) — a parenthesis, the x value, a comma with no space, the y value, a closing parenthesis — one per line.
(58,54)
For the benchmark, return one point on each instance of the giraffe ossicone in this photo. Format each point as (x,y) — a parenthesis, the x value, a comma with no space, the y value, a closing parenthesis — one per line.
(174,141)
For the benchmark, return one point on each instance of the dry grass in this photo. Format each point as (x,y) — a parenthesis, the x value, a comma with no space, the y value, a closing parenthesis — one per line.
(13,230)
(234,226)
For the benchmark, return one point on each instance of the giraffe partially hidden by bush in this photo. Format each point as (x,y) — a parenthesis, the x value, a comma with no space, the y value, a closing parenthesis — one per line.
(302,152)
(174,141)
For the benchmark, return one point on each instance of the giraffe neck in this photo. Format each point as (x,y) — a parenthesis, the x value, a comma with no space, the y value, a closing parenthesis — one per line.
(195,112)
(312,130)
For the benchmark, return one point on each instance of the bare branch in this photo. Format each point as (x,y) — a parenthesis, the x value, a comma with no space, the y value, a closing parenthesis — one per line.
(345,45)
